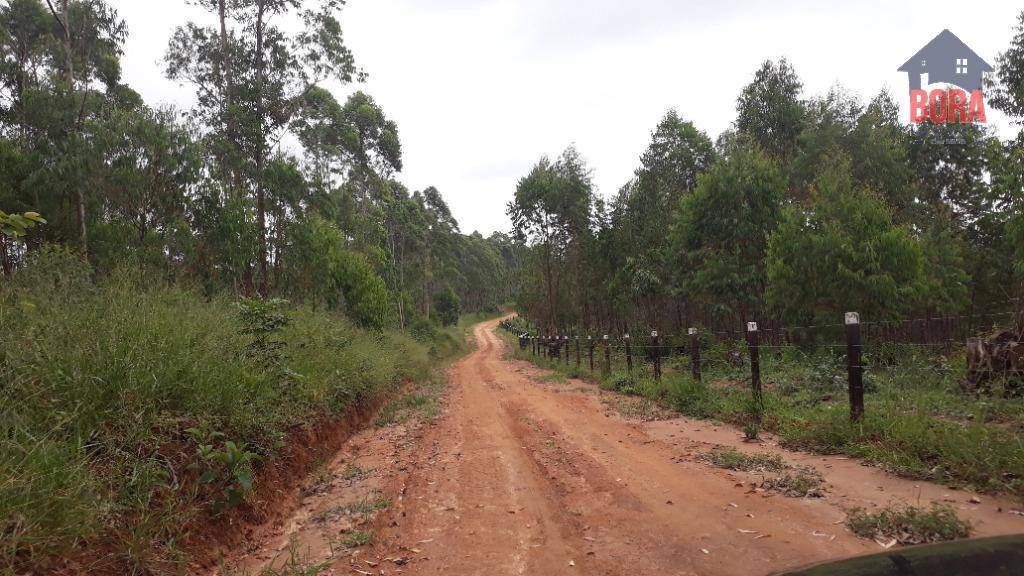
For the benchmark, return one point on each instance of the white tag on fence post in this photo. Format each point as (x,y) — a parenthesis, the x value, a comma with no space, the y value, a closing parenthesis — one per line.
(693,331)
(852,318)
(751,326)
(654,333)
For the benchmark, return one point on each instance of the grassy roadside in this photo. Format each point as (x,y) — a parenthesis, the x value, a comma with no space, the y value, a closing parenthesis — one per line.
(917,425)
(130,412)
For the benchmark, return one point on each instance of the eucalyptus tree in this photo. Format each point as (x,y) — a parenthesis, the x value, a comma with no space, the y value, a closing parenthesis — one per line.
(842,252)
(643,210)
(60,70)
(1005,87)
(722,230)
(770,109)
(252,76)
(552,212)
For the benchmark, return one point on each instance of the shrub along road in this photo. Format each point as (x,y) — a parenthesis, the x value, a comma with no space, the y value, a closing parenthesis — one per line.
(522,474)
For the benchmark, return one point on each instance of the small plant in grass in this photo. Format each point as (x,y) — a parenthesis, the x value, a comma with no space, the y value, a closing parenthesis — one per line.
(263,320)
(909,524)
(553,377)
(356,539)
(228,467)
(735,460)
(623,384)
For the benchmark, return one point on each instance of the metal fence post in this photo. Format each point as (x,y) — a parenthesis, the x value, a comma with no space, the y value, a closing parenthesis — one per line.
(855,371)
(755,370)
(695,354)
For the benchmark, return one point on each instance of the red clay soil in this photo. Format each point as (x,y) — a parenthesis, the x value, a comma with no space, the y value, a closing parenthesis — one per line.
(521,476)
(278,488)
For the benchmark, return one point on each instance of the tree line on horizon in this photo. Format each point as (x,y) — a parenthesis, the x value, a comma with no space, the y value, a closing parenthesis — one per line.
(806,208)
(209,195)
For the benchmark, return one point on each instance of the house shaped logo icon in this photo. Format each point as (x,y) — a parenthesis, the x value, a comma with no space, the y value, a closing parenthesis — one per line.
(946,59)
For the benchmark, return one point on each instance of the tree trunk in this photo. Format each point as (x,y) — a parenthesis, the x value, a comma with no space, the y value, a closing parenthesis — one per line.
(261,151)
(5,257)
(69,77)
(550,286)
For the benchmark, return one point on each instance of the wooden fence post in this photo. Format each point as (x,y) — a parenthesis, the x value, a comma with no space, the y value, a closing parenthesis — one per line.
(755,370)
(607,357)
(657,354)
(565,348)
(855,371)
(590,352)
(695,354)
(577,354)
(629,355)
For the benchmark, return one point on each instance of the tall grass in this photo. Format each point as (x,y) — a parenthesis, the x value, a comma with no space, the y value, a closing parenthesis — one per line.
(108,392)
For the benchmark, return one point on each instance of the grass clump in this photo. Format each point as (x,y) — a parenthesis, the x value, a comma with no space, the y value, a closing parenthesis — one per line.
(366,506)
(800,482)
(795,482)
(735,460)
(909,524)
(357,539)
(295,565)
(423,403)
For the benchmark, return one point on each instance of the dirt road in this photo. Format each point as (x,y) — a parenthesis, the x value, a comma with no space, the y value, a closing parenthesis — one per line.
(519,475)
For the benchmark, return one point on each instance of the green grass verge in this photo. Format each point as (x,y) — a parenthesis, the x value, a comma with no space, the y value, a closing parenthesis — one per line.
(129,410)
(918,424)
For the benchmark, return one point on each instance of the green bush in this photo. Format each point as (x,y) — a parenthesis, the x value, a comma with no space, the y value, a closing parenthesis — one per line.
(448,307)
(111,393)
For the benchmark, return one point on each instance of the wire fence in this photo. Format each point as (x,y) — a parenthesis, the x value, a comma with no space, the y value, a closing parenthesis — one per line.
(851,351)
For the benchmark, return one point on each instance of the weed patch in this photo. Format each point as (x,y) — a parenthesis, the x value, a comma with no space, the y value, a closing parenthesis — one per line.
(909,524)
(800,482)
(735,460)
(357,539)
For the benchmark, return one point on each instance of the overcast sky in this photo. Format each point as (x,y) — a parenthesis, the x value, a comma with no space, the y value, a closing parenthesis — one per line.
(480,89)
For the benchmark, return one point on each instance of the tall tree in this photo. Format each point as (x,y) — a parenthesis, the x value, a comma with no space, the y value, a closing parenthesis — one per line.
(842,253)
(552,210)
(266,92)
(723,228)
(770,110)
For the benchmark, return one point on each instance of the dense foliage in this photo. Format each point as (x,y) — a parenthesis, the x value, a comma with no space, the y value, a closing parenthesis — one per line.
(207,194)
(804,209)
